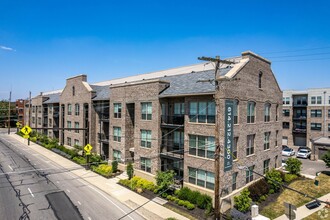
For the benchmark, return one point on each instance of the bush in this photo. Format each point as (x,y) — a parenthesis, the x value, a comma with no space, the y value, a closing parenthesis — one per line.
(258,189)
(114,166)
(145,184)
(293,165)
(271,191)
(184,193)
(164,195)
(203,201)
(79,160)
(125,182)
(326,159)
(181,203)
(193,196)
(190,206)
(176,192)
(262,198)
(104,170)
(33,139)
(164,179)
(130,170)
(243,201)
(176,200)
(289,177)
(169,197)
(171,218)
(274,179)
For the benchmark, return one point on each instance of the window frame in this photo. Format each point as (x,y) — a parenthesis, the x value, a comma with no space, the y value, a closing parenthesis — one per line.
(146,111)
(146,139)
(116,134)
(69,109)
(197,115)
(266,166)
(194,177)
(316,126)
(249,174)
(267,109)
(117,109)
(267,140)
(145,164)
(250,142)
(76,125)
(200,143)
(76,109)
(251,112)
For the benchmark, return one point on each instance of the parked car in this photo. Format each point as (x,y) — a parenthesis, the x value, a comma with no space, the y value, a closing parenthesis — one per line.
(304,153)
(288,152)
(304,147)
(284,146)
(284,164)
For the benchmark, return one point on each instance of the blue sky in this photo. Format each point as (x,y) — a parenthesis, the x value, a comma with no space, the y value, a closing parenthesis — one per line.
(44,42)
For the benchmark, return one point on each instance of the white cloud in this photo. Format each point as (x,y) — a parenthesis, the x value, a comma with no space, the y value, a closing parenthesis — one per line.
(6,48)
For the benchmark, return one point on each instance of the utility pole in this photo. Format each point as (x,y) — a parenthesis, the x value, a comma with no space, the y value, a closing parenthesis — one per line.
(29,114)
(217,184)
(9,112)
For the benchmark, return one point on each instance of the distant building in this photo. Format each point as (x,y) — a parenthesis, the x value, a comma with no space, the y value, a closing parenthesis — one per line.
(20,103)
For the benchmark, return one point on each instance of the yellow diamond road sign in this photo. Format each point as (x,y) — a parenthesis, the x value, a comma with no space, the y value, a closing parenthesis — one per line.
(26,130)
(88,149)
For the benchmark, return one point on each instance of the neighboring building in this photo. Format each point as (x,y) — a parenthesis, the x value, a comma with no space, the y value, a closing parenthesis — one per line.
(166,120)
(320,146)
(20,110)
(306,116)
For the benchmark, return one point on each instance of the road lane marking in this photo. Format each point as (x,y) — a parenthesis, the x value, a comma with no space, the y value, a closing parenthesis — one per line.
(31,192)
(11,168)
(68,191)
(79,203)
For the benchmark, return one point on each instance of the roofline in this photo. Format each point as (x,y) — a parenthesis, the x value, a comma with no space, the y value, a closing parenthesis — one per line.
(248,52)
(186,94)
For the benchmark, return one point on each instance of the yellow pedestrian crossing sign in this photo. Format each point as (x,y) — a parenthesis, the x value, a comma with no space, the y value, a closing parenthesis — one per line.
(88,148)
(26,130)
(18,124)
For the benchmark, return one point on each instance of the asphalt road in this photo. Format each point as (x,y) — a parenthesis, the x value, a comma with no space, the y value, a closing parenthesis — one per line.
(30,177)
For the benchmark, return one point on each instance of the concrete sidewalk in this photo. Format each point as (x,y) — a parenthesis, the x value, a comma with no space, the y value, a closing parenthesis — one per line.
(150,210)
(303,212)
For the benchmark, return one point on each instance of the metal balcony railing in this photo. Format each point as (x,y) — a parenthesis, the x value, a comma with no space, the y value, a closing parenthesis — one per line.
(173,120)
(103,137)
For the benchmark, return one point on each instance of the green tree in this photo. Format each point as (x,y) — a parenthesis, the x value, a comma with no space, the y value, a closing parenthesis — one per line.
(243,201)
(114,166)
(293,165)
(164,179)
(130,170)
(4,113)
(326,159)
(274,179)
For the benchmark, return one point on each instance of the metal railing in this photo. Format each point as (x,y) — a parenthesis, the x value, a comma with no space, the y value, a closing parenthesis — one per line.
(173,119)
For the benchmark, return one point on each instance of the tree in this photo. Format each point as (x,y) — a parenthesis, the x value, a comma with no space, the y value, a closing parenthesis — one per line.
(130,170)
(274,179)
(326,159)
(293,165)
(164,179)
(243,201)
(4,113)
(114,166)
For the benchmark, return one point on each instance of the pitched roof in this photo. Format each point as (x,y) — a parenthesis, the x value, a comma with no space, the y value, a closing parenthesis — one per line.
(101,92)
(52,98)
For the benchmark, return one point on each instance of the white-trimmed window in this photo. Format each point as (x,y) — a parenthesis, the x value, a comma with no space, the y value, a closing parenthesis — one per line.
(236,111)
(68,141)
(146,110)
(319,100)
(234,182)
(117,110)
(249,174)
(76,142)
(178,108)
(250,144)
(117,134)
(251,112)
(202,146)
(146,138)
(286,100)
(68,123)
(117,155)
(266,140)
(316,113)
(69,109)
(316,126)
(267,112)
(266,165)
(77,109)
(201,178)
(145,164)
(76,125)
(202,112)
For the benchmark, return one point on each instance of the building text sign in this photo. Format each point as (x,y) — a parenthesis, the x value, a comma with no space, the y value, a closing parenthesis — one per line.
(228,145)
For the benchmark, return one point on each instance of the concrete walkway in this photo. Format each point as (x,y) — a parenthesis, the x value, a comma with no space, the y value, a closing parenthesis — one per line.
(151,210)
(303,212)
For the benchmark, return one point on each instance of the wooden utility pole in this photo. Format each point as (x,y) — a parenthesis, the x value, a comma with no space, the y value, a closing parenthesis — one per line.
(217,182)
(30,104)
(9,112)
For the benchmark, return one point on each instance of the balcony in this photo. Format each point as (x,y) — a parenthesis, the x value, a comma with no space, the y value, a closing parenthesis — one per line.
(172,121)
(103,137)
(171,150)
(300,117)
(56,114)
(300,104)
(301,130)
(104,117)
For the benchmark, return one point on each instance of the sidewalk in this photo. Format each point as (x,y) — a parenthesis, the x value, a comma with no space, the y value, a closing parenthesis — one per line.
(303,212)
(151,210)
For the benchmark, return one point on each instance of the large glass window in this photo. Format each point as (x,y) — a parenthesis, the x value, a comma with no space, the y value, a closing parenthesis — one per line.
(250,145)
(117,110)
(146,138)
(145,164)
(319,100)
(201,178)
(76,125)
(316,113)
(249,174)
(202,146)
(236,111)
(267,112)
(286,125)
(266,140)
(250,112)
(266,165)
(202,112)
(77,109)
(179,108)
(117,134)
(316,126)
(146,110)
(178,142)
(313,100)
(117,155)
(69,109)
(286,112)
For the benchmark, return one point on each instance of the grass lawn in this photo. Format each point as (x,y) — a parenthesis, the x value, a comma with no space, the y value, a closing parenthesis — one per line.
(307,186)
(323,214)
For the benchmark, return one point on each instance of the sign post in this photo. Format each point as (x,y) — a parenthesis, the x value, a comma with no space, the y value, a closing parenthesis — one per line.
(229,124)
(88,148)
(290,211)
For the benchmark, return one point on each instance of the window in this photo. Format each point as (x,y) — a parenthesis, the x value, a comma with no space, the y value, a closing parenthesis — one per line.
(319,100)
(146,138)
(236,112)
(201,178)
(249,174)
(33,109)
(328,127)
(50,109)
(68,124)
(68,141)
(250,112)
(39,121)
(286,125)
(202,112)
(33,120)
(276,116)
(276,138)
(250,145)
(39,108)
(235,155)
(267,112)
(50,122)
(76,109)
(201,146)
(76,142)
(117,155)
(69,109)
(329,113)
(146,164)
(316,126)
(233,186)
(276,161)
(117,110)
(76,125)
(316,113)
(286,101)
(179,108)
(266,140)
(260,77)
(146,111)
(313,100)
(178,142)
(266,165)
(286,112)
(73,91)
(117,134)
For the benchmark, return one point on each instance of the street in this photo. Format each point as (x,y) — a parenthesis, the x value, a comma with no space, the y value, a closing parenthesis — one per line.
(27,178)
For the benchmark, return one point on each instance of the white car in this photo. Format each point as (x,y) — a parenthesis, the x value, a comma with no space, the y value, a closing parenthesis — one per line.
(288,152)
(304,153)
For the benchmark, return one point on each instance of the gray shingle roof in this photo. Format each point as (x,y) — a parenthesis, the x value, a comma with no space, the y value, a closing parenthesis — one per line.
(190,83)
(102,92)
(52,98)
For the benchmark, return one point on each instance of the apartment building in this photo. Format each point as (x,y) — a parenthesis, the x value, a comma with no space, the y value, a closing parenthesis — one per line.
(20,103)
(166,120)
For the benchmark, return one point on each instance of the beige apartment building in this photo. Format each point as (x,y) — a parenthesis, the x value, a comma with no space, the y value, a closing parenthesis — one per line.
(166,120)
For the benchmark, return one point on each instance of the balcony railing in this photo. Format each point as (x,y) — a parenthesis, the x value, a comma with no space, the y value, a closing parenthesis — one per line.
(56,114)
(171,149)
(299,117)
(173,120)
(299,129)
(104,117)
(300,104)
(103,137)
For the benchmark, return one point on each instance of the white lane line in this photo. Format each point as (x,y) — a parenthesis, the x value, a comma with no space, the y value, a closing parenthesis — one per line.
(30,192)
(68,191)
(35,164)
(79,203)
(11,168)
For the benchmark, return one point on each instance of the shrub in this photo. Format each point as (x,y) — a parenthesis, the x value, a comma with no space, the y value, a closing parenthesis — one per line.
(181,203)
(262,198)
(289,177)
(171,218)
(293,165)
(130,170)
(134,182)
(190,206)
(114,166)
(176,200)
(169,197)
(145,184)
(164,195)
(203,201)
(138,190)
(271,191)
(176,192)
(79,160)
(243,201)
(125,182)
(258,189)
(192,197)
(164,179)
(326,159)
(184,193)
(274,179)
(104,170)
(155,191)
(33,139)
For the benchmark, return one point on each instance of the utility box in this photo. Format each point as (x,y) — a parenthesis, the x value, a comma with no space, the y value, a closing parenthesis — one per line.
(254,211)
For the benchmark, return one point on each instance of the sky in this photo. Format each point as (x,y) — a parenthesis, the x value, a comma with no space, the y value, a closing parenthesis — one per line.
(44,42)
